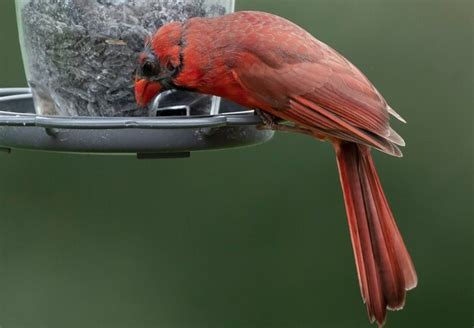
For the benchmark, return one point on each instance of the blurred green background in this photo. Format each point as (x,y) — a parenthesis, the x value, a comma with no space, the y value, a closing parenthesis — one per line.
(252,237)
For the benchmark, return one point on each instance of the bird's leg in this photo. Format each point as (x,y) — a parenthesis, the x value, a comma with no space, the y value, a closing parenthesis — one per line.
(271,122)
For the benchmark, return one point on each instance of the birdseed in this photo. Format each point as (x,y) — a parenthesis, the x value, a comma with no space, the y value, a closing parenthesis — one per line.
(81,54)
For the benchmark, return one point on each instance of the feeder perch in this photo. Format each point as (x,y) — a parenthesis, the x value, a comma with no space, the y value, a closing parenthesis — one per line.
(148,137)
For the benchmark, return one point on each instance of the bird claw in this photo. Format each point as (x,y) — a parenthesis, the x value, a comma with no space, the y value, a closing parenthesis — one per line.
(273,123)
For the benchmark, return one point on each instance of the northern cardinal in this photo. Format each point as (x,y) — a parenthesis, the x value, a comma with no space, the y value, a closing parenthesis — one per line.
(266,62)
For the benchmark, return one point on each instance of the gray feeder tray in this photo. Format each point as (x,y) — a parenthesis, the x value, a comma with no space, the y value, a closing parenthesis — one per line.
(148,137)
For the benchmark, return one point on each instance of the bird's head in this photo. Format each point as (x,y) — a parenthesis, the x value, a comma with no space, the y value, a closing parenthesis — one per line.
(159,64)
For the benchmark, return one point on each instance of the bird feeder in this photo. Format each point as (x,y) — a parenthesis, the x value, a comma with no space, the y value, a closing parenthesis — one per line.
(80,57)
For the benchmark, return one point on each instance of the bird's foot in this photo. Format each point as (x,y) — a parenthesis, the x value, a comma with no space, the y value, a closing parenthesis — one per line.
(271,122)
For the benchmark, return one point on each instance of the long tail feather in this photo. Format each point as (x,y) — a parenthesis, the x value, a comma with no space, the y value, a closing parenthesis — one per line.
(384,267)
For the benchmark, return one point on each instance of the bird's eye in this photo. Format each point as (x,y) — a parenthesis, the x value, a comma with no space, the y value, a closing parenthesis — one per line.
(148,68)
(170,67)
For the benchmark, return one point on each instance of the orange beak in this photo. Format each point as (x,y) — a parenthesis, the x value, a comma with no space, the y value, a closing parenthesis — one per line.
(145,91)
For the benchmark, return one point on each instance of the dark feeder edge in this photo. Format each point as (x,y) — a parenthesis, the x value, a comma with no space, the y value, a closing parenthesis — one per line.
(148,137)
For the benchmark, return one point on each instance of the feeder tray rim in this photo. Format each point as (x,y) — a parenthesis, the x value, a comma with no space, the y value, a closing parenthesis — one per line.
(9,118)
(147,137)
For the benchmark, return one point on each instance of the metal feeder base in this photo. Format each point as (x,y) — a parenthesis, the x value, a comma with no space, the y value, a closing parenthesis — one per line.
(148,137)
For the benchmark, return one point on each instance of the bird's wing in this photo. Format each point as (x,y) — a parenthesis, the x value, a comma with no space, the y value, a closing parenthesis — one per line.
(326,92)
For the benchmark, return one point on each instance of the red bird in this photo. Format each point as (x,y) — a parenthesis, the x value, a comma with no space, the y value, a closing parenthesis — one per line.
(268,63)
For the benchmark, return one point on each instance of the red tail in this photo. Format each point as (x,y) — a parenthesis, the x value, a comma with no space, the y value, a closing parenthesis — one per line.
(384,267)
